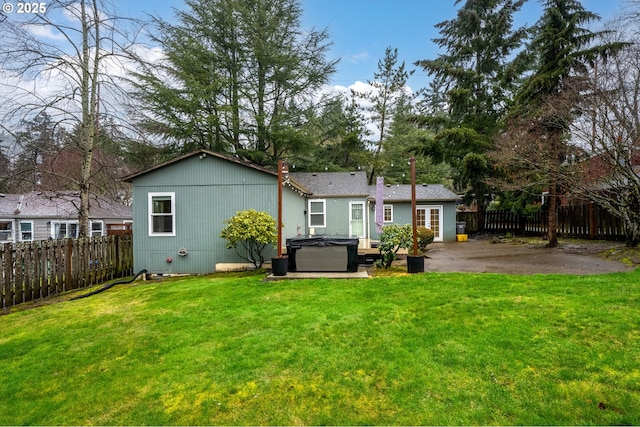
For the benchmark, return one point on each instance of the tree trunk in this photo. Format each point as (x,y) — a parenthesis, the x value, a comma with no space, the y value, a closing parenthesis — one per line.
(632,232)
(552,216)
(89,107)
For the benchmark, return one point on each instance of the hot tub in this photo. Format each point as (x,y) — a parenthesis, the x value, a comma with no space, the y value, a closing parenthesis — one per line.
(323,253)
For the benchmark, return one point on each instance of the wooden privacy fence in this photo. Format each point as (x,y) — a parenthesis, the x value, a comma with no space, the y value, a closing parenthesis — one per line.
(35,270)
(585,221)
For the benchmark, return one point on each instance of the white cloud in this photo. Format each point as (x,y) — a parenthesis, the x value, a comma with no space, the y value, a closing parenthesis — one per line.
(45,32)
(362,56)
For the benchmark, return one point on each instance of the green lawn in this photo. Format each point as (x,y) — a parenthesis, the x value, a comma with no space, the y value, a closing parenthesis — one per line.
(435,349)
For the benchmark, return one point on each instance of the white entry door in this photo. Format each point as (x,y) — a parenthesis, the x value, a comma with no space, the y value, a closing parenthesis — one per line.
(431,217)
(356,220)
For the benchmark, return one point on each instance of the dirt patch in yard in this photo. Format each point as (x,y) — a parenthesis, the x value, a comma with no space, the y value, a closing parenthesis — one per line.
(530,256)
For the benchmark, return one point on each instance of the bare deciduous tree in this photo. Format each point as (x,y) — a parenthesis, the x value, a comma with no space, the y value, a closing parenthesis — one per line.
(610,175)
(69,60)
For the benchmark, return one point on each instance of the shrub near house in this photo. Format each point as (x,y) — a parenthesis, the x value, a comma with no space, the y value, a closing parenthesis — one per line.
(252,231)
(395,237)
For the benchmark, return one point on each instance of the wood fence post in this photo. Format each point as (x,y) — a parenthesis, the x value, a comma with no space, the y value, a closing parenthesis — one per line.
(592,221)
(68,278)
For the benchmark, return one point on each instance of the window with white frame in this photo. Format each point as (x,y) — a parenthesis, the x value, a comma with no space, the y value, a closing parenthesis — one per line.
(97,228)
(162,214)
(64,229)
(26,231)
(387,213)
(317,213)
(6,230)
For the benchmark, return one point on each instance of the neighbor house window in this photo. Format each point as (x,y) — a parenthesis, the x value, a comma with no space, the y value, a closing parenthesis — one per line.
(387,213)
(26,231)
(6,230)
(162,214)
(97,228)
(64,229)
(317,214)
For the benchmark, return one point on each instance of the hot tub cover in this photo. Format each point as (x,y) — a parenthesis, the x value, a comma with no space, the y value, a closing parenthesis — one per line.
(323,253)
(323,240)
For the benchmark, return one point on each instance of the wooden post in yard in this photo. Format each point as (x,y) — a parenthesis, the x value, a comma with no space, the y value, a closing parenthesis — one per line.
(280,167)
(414,214)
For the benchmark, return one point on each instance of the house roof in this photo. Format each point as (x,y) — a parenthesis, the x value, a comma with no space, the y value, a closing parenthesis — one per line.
(333,184)
(291,182)
(59,204)
(424,192)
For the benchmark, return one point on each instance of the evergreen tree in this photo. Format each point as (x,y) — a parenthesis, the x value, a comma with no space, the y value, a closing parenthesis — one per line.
(35,141)
(389,91)
(477,73)
(340,134)
(546,103)
(242,76)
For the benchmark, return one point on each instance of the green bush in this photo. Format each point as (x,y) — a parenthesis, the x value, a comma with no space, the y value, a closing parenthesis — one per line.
(425,238)
(395,237)
(251,230)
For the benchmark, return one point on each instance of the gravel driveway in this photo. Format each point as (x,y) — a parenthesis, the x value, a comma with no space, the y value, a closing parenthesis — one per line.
(516,257)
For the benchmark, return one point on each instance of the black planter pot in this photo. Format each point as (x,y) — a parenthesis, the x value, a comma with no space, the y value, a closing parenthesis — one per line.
(415,263)
(279,266)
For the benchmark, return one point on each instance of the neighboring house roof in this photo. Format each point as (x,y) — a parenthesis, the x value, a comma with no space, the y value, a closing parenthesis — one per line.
(334,184)
(424,192)
(59,204)
(291,182)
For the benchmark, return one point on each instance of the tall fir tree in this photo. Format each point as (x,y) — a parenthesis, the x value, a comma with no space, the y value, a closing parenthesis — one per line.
(241,76)
(476,75)
(388,92)
(545,105)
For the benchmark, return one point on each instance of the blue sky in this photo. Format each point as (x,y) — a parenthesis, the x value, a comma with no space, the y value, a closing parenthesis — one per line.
(361,29)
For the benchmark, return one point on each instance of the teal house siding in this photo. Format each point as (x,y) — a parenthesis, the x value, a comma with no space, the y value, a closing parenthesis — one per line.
(402,215)
(337,215)
(209,189)
(339,191)
(428,197)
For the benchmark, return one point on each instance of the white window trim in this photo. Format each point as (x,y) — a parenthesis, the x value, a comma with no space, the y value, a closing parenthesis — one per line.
(391,208)
(363,219)
(66,234)
(12,237)
(98,221)
(32,230)
(440,208)
(172,195)
(324,213)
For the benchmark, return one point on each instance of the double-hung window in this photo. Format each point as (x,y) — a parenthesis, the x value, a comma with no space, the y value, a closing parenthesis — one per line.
(64,229)
(162,214)
(317,213)
(26,231)
(97,228)
(6,230)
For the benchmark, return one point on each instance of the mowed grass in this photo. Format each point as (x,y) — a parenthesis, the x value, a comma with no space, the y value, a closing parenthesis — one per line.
(428,349)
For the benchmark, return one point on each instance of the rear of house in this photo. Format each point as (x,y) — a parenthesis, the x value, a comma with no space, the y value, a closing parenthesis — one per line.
(435,209)
(338,204)
(181,206)
(343,204)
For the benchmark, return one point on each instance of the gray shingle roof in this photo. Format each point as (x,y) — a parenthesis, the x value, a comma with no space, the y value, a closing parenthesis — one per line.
(424,192)
(338,184)
(48,204)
